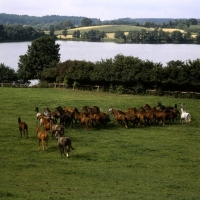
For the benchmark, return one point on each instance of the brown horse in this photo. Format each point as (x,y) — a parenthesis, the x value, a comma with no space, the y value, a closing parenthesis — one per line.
(94,110)
(160,116)
(119,117)
(44,120)
(42,136)
(23,127)
(85,121)
(64,142)
(56,128)
(79,115)
(140,113)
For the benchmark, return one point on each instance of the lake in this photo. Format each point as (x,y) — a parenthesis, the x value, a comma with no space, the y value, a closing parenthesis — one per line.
(95,51)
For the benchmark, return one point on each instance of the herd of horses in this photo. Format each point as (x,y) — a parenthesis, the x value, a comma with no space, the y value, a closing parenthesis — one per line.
(55,122)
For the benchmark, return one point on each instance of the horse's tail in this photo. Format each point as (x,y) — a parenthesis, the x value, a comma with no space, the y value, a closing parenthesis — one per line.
(70,145)
(26,126)
(189,118)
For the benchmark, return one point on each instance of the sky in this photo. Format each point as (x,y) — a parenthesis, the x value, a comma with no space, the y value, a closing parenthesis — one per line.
(104,9)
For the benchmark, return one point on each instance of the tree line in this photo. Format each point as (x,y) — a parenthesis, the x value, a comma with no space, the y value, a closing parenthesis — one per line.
(7,19)
(127,74)
(143,36)
(18,33)
(158,36)
(24,33)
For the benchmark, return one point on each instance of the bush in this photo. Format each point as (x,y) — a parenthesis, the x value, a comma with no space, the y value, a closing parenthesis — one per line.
(43,84)
(120,89)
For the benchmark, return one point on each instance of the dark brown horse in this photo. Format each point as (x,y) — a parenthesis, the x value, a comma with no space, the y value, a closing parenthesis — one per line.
(63,143)
(56,128)
(23,127)
(94,110)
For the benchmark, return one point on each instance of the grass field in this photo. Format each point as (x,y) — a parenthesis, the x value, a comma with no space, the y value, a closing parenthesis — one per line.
(153,162)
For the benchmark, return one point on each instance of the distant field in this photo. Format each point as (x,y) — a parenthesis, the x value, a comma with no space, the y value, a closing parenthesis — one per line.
(110,30)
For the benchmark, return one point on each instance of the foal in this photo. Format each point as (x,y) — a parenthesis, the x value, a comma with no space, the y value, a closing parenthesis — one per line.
(64,142)
(23,127)
(42,136)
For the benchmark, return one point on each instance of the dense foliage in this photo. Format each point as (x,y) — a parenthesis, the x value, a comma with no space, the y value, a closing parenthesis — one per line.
(123,74)
(92,35)
(131,74)
(62,22)
(159,36)
(7,74)
(33,20)
(18,33)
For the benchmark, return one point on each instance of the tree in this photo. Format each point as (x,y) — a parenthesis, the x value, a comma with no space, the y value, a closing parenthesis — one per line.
(64,32)
(67,24)
(134,36)
(120,35)
(197,39)
(192,21)
(86,22)
(7,74)
(93,35)
(76,34)
(176,37)
(43,53)
(52,30)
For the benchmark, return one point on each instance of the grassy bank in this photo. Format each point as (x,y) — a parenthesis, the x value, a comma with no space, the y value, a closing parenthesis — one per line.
(153,162)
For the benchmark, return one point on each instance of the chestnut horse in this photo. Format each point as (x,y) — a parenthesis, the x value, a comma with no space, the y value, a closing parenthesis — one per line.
(119,117)
(23,127)
(42,136)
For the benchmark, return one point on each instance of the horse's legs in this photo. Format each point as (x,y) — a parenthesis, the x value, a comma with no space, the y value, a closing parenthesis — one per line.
(38,144)
(20,133)
(61,150)
(67,151)
(43,144)
(24,131)
(27,133)
(46,144)
(52,134)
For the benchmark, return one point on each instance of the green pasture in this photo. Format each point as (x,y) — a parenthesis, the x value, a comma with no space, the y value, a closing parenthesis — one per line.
(106,29)
(154,162)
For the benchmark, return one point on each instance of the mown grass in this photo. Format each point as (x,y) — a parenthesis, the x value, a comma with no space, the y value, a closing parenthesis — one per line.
(110,28)
(154,162)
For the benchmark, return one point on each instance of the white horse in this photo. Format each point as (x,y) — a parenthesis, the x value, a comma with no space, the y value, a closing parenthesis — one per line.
(185,116)
(38,114)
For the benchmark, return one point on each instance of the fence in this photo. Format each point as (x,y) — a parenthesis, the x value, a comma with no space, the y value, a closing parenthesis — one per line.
(176,94)
(13,85)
